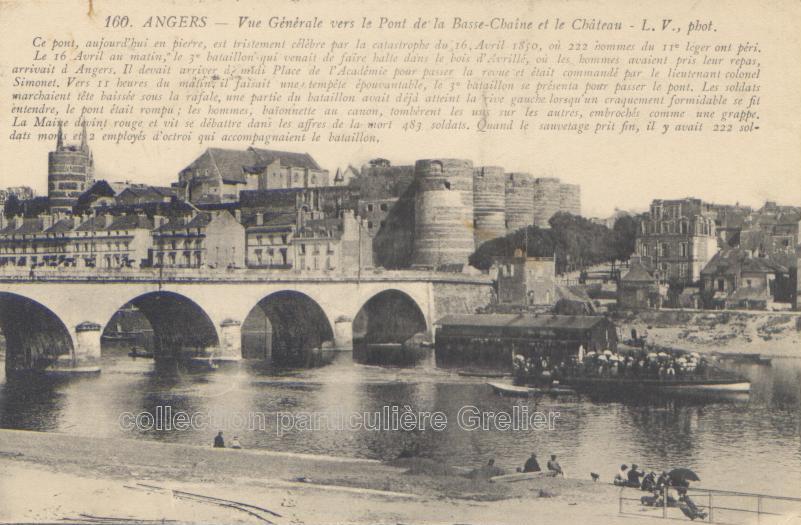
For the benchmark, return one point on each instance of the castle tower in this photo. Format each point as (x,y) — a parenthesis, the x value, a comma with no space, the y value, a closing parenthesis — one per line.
(489,203)
(519,201)
(547,200)
(443,212)
(70,172)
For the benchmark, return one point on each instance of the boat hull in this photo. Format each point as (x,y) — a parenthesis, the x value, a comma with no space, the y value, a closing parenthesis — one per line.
(713,386)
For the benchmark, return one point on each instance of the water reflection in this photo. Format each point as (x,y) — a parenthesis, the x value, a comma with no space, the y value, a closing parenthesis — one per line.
(738,445)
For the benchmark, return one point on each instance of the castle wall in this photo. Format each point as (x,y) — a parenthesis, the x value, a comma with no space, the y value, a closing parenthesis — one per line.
(519,201)
(489,203)
(443,230)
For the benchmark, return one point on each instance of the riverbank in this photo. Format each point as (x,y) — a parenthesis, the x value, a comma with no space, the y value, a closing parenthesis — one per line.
(51,476)
(773,334)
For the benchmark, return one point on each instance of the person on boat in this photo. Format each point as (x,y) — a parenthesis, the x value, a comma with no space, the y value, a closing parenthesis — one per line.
(490,470)
(219,442)
(622,477)
(634,476)
(532,465)
(554,468)
(235,443)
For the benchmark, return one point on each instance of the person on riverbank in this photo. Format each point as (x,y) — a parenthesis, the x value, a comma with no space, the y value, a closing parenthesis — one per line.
(219,442)
(688,506)
(622,477)
(532,465)
(634,476)
(554,468)
(235,443)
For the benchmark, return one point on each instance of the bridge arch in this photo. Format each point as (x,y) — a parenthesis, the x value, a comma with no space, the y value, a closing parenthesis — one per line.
(389,317)
(36,337)
(285,326)
(181,327)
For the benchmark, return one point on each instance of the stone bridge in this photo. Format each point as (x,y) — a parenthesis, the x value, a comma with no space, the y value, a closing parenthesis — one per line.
(58,316)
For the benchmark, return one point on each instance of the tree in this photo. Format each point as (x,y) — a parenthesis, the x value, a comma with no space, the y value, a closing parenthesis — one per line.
(13,207)
(383,163)
(574,241)
(625,230)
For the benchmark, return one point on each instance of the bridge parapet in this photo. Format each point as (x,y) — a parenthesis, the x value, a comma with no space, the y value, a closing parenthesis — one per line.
(237,275)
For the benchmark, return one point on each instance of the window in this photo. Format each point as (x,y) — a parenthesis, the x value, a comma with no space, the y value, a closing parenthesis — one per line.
(748,283)
(664,250)
(721,285)
(369,207)
(683,249)
(384,206)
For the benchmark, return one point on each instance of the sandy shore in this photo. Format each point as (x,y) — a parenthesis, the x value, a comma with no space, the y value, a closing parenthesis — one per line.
(50,476)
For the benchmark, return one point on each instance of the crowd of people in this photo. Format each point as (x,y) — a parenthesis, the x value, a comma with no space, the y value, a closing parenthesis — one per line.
(643,363)
(664,490)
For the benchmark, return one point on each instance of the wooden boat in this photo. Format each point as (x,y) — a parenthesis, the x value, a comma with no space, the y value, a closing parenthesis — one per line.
(491,375)
(140,353)
(518,476)
(72,371)
(507,390)
(726,385)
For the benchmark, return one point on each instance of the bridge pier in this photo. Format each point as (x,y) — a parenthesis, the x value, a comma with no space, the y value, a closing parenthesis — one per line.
(343,333)
(231,340)
(87,344)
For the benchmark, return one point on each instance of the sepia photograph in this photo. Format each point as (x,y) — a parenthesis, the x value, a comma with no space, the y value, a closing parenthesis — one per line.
(403,263)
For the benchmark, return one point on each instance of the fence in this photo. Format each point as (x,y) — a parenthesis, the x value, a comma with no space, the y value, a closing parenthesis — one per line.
(713,506)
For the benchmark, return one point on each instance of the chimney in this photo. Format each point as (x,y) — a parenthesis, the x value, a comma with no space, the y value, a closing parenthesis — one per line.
(259,219)
(238,215)
(18,221)
(47,221)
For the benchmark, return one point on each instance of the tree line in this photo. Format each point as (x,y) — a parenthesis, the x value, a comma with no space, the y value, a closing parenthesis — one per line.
(576,242)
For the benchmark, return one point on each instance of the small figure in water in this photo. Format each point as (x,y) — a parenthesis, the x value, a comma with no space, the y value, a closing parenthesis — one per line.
(219,442)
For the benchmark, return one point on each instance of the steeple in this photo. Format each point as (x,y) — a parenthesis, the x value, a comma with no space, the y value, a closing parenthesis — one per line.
(59,138)
(338,178)
(84,143)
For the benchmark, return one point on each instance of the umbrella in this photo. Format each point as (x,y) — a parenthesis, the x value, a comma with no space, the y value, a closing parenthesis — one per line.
(662,354)
(680,476)
(607,352)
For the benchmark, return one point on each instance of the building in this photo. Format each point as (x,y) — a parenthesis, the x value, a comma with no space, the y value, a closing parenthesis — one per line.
(22,193)
(269,240)
(108,241)
(218,175)
(677,238)
(525,281)
(214,239)
(70,172)
(737,278)
(334,244)
(639,288)
(138,194)
(492,340)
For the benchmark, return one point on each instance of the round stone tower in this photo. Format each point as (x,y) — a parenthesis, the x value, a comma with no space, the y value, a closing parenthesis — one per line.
(547,200)
(443,212)
(489,203)
(70,172)
(519,201)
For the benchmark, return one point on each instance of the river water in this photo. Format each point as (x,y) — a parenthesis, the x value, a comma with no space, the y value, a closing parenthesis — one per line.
(751,444)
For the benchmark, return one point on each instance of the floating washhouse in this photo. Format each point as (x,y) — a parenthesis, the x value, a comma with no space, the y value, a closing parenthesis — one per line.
(490,340)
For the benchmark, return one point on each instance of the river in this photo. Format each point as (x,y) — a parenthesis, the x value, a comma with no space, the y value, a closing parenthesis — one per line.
(751,445)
